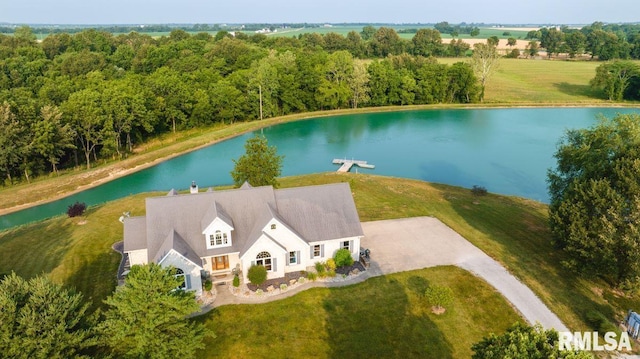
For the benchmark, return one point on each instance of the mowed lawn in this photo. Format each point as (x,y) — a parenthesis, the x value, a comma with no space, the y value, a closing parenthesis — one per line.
(529,81)
(384,317)
(512,230)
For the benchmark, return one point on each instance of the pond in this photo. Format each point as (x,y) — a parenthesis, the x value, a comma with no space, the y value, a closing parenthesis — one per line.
(508,151)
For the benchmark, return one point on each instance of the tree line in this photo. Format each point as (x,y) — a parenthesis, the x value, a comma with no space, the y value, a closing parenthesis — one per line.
(73,99)
(600,41)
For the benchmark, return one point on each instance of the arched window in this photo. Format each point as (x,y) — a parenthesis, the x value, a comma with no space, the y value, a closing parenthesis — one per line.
(264,259)
(180,275)
(218,238)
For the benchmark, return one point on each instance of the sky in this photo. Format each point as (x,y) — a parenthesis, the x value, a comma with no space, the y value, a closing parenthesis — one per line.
(317,11)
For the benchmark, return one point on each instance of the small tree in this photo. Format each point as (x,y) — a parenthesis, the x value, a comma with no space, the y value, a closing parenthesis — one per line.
(439,297)
(260,165)
(343,258)
(257,274)
(76,209)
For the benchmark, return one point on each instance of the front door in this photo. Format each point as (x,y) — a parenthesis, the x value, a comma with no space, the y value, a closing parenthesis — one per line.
(220,263)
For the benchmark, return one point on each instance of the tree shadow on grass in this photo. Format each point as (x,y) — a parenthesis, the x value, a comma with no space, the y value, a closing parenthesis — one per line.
(581,90)
(418,285)
(380,323)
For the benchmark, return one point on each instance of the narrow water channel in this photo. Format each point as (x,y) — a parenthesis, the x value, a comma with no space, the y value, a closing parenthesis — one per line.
(508,151)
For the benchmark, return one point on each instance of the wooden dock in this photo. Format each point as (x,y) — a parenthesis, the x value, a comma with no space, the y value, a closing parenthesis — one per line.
(347,164)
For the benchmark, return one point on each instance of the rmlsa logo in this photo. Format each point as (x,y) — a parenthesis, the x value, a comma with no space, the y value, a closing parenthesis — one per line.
(591,341)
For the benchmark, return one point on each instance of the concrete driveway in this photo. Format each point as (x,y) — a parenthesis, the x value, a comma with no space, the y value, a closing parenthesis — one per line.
(413,243)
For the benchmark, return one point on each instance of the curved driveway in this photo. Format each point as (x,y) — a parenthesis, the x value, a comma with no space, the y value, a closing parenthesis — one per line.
(413,243)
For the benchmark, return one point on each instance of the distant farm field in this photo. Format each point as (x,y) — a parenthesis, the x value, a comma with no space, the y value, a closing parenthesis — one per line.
(343,30)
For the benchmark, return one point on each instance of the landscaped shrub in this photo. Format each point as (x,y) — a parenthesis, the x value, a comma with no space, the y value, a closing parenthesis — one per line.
(320,268)
(311,276)
(76,209)
(478,190)
(343,258)
(208,285)
(257,274)
(283,287)
(236,281)
(331,265)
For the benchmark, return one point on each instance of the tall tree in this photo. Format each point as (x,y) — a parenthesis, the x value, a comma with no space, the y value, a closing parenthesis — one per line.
(84,111)
(359,84)
(595,206)
(576,42)
(532,48)
(40,319)
(485,61)
(147,317)
(386,42)
(52,137)
(552,40)
(260,165)
(428,42)
(614,79)
(10,141)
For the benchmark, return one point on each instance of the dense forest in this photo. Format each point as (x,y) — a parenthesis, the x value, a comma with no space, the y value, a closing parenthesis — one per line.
(70,100)
(73,99)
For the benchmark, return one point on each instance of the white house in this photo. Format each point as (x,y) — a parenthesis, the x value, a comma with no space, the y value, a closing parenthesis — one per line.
(210,233)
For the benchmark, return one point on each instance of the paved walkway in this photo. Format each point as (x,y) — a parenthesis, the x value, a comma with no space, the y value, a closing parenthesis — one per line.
(414,243)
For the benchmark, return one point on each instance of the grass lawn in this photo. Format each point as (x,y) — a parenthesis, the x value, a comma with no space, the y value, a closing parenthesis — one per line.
(530,82)
(511,230)
(384,317)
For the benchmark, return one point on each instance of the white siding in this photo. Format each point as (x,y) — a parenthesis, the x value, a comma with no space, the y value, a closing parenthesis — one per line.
(331,247)
(291,242)
(139,256)
(174,259)
(217,225)
(264,243)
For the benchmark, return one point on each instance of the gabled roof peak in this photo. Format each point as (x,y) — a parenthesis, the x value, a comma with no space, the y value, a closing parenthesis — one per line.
(215,211)
(173,192)
(246,185)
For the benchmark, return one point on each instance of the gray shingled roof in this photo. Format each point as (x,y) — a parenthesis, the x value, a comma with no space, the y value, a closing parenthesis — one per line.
(320,212)
(135,233)
(177,243)
(315,213)
(215,210)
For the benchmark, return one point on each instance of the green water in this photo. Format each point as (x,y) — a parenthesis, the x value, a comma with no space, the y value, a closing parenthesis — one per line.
(507,151)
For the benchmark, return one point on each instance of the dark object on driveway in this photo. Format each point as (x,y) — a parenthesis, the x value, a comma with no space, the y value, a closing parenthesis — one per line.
(365,256)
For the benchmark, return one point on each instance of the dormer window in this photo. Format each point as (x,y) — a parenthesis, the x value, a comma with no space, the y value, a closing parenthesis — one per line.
(218,239)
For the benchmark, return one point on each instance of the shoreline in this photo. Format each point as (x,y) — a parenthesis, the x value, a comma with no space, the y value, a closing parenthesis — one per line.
(121,168)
